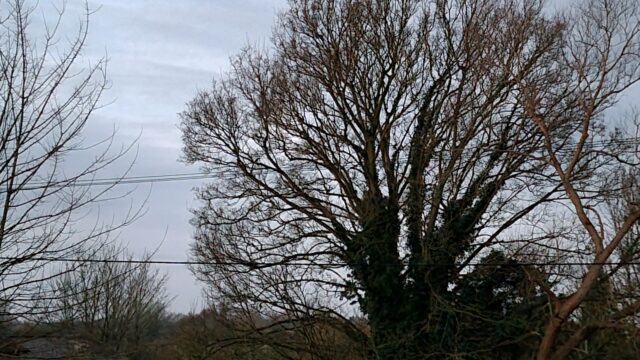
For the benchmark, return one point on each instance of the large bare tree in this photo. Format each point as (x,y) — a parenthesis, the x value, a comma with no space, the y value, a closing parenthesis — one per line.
(47,96)
(386,153)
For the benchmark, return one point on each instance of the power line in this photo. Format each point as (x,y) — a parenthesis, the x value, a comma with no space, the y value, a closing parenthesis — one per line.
(173,177)
(258,264)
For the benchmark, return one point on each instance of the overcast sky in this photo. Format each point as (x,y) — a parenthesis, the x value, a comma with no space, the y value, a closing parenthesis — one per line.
(160,52)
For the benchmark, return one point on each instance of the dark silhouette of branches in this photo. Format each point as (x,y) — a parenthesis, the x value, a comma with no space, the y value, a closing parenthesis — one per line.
(382,142)
(117,307)
(47,97)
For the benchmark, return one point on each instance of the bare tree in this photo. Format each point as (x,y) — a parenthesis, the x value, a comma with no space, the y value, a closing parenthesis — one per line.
(116,304)
(600,60)
(46,99)
(381,151)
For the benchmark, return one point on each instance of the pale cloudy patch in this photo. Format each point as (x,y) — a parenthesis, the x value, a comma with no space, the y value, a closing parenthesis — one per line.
(159,54)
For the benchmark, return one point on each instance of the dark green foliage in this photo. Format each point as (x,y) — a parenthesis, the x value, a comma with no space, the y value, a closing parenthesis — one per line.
(496,311)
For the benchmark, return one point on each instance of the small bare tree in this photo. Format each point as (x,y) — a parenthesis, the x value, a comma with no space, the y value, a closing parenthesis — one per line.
(116,304)
(46,99)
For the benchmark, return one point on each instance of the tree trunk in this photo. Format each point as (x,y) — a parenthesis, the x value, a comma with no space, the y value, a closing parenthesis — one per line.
(380,271)
(545,350)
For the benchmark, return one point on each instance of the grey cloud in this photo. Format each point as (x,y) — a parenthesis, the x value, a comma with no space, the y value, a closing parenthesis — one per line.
(160,53)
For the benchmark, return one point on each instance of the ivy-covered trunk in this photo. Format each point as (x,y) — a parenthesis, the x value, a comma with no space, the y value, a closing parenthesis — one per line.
(379,271)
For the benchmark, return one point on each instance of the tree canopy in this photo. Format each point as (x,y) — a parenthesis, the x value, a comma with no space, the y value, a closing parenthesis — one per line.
(452,170)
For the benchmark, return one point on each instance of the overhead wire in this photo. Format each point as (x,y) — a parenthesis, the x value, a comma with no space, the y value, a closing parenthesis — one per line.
(258,264)
(173,177)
